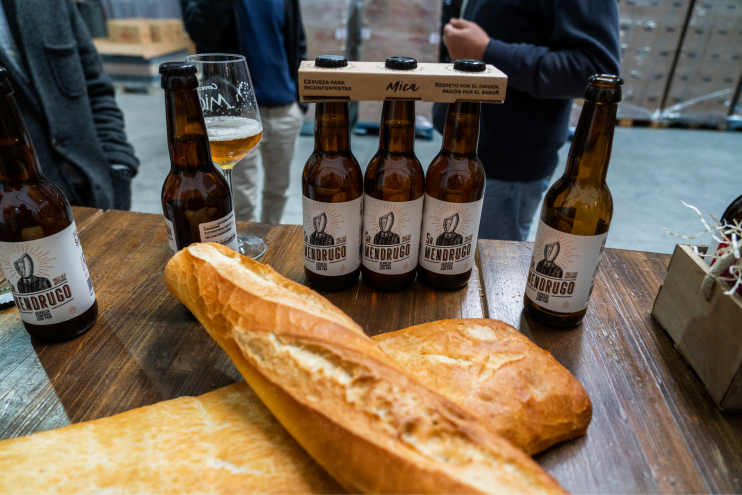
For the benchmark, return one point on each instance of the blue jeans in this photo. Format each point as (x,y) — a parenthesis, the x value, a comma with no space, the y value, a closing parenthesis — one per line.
(509,208)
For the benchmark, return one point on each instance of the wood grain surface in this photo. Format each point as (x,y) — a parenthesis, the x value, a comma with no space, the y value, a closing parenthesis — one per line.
(654,428)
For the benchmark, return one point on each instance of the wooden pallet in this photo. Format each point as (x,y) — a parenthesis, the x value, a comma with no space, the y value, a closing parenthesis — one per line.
(652,124)
(655,124)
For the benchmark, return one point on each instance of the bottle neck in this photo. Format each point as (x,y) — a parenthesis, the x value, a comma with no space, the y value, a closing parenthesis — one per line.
(332,128)
(461,133)
(186,131)
(591,147)
(18,160)
(397,131)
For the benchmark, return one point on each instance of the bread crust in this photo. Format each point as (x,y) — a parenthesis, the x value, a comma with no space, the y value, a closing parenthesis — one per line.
(492,370)
(366,420)
(225,441)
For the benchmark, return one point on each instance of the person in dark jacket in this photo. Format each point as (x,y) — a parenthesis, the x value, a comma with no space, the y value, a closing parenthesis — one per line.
(270,35)
(548,49)
(67,102)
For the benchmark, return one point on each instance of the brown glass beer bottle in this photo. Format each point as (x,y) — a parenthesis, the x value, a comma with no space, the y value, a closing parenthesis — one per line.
(393,197)
(454,191)
(196,201)
(332,197)
(575,216)
(40,250)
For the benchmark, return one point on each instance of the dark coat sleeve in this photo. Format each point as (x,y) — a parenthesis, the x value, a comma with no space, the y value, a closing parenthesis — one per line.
(107,116)
(584,40)
(207,21)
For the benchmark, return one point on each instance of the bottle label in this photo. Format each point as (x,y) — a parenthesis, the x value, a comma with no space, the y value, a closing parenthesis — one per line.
(332,236)
(391,235)
(448,240)
(48,277)
(171,237)
(222,231)
(563,269)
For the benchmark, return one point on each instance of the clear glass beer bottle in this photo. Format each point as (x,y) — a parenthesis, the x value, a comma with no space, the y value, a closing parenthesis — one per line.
(575,216)
(332,198)
(40,249)
(454,192)
(196,201)
(393,197)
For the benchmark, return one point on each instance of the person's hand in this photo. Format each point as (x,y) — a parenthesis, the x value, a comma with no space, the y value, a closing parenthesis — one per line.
(465,39)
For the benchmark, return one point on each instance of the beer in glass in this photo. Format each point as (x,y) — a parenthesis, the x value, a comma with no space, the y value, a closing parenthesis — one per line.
(232,138)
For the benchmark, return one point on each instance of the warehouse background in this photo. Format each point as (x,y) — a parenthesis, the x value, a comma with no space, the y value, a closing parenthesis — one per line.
(681,62)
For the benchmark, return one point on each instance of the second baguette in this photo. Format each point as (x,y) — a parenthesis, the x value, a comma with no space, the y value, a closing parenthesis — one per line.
(366,420)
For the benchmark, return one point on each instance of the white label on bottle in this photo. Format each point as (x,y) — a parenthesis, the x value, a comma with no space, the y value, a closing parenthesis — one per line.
(222,231)
(563,269)
(48,277)
(332,236)
(391,235)
(171,237)
(448,240)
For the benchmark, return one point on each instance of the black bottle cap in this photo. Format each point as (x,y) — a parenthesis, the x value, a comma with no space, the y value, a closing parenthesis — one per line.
(401,63)
(330,61)
(177,69)
(469,65)
(6,88)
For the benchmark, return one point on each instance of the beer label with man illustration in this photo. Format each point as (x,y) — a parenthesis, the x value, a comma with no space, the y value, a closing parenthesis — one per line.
(48,277)
(332,236)
(391,235)
(563,269)
(448,240)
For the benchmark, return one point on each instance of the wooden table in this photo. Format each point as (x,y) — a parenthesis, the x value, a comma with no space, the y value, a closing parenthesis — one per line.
(654,427)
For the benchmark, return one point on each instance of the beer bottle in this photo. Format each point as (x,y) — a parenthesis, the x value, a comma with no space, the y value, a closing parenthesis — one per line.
(196,201)
(332,197)
(454,191)
(393,196)
(575,216)
(40,250)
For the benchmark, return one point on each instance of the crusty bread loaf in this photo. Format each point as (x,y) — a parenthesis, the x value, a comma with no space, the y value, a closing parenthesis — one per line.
(492,370)
(366,420)
(225,441)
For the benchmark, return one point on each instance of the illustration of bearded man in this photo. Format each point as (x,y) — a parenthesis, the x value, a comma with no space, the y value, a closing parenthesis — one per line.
(547,266)
(449,237)
(385,236)
(29,283)
(319,237)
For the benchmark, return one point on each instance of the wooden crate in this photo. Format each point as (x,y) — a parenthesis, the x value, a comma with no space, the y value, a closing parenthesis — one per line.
(135,31)
(708,334)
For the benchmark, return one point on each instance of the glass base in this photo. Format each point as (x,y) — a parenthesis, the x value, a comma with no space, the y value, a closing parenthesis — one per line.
(251,245)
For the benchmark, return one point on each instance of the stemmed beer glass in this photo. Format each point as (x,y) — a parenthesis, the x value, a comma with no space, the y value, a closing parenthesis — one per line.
(232,120)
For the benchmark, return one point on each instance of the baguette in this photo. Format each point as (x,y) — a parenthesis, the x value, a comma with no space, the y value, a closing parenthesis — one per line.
(361,415)
(225,441)
(492,370)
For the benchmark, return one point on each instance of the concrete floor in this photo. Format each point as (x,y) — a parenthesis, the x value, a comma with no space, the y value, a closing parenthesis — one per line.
(652,171)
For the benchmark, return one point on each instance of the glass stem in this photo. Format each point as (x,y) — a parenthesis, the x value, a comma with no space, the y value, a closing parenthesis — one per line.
(227,172)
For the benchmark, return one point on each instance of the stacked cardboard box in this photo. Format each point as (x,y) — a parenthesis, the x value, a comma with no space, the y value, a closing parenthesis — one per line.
(409,28)
(325,26)
(709,65)
(143,31)
(650,36)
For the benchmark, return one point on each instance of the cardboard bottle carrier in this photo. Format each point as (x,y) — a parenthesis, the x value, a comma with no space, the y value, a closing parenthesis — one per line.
(372,81)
